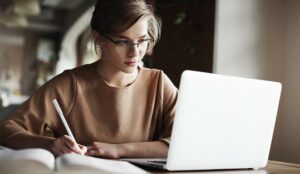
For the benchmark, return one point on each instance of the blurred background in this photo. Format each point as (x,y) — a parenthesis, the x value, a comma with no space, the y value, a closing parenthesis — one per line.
(251,38)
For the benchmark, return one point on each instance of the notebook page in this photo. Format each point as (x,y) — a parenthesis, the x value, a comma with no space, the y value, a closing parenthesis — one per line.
(35,154)
(112,166)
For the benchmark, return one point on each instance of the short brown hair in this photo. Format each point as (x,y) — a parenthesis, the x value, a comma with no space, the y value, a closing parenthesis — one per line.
(116,16)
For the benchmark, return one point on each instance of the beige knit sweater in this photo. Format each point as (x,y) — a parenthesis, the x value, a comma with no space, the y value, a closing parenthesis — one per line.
(95,111)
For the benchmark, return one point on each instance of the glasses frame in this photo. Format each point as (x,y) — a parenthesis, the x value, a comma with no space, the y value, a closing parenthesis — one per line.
(129,44)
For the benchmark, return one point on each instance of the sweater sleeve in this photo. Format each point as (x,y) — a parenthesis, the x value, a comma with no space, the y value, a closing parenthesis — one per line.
(169,100)
(38,112)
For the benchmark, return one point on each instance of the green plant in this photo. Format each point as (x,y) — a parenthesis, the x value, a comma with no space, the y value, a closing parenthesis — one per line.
(185,20)
(182,19)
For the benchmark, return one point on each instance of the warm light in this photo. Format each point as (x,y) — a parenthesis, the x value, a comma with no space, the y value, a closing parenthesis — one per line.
(14,20)
(27,7)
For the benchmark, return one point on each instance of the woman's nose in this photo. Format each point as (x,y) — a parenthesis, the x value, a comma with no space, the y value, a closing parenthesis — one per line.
(133,51)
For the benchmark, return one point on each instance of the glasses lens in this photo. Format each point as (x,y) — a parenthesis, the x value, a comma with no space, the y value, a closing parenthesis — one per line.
(143,44)
(125,46)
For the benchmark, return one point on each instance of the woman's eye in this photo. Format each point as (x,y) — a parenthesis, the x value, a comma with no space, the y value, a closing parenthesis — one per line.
(143,40)
(122,42)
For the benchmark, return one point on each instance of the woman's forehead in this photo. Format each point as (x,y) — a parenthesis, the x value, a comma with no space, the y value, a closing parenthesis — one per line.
(137,30)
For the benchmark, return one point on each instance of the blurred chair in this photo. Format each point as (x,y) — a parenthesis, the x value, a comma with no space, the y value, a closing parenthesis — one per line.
(1,103)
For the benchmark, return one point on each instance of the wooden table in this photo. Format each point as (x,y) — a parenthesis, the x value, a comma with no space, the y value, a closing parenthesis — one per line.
(31,167)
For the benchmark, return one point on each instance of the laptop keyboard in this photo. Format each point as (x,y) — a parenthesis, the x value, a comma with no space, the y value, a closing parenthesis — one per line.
(157,162)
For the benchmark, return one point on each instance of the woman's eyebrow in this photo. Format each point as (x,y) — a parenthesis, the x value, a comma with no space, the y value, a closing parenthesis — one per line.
(124,37)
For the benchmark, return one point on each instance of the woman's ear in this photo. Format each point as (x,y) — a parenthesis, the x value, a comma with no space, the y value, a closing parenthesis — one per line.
(97,40)
(97,37)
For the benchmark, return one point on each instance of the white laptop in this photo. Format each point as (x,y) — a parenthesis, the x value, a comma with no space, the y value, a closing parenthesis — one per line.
(221,122)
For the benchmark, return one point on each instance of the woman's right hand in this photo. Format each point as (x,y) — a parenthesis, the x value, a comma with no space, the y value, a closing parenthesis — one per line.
(66,144)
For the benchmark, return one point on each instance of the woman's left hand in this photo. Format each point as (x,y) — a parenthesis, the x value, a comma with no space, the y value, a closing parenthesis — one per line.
(104,150)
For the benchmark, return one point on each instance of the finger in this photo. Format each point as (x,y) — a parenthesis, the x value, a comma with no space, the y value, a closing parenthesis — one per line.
(92,153)
(83,148)
(72,144)
(90,147)
(65,149)
(61,148)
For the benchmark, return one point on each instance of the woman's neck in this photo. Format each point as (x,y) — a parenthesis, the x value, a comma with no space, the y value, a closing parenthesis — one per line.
(115,77)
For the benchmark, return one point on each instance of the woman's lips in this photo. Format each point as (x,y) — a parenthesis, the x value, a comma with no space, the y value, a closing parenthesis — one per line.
(131,63)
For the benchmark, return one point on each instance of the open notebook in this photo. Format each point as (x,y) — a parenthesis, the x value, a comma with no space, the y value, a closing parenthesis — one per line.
(66,160)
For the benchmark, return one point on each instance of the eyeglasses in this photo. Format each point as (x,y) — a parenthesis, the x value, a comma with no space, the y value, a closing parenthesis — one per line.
(125,45)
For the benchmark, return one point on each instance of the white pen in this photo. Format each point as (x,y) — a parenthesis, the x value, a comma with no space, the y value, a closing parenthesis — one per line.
(62,117)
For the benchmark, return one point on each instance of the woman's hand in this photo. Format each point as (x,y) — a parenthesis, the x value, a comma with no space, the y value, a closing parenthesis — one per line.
(104,150)
(66,144)
(151,149)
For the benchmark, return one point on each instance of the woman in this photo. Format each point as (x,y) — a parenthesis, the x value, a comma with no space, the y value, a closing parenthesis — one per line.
(113,107)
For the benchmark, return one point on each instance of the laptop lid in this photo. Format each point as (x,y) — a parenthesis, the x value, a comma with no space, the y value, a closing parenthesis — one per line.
(222,122)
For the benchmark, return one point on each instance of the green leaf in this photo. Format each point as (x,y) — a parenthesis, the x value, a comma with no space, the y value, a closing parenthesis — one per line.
(179,18)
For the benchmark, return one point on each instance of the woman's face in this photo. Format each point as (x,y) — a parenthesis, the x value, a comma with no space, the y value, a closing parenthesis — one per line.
(124,51)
